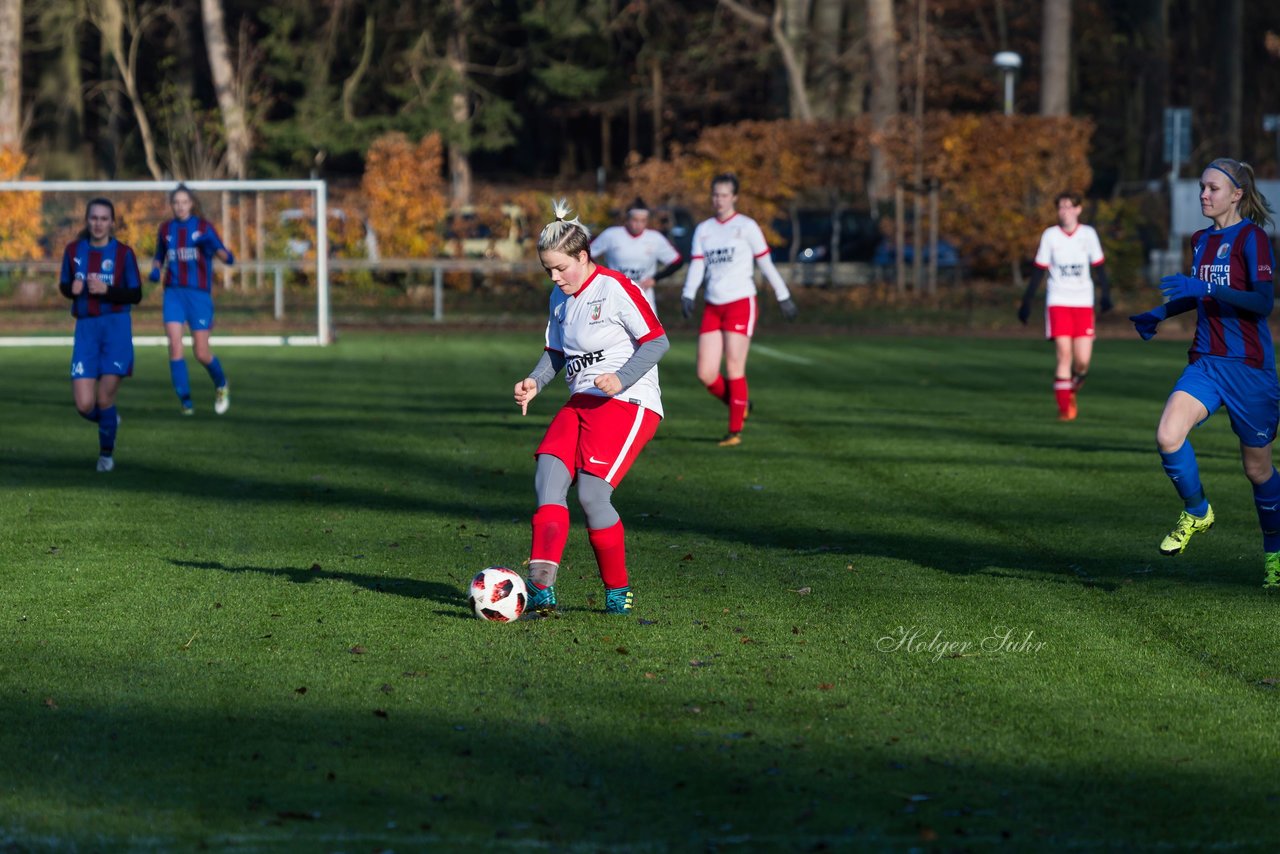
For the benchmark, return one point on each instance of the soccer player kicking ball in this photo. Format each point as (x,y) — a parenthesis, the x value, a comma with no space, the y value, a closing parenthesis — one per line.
(185,249)
(100,277)
(727,248)
(604,335)
(1232,358)
(1069,252)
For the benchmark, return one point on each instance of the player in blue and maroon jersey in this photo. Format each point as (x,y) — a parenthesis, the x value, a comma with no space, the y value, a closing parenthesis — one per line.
(100,277)
(185,249)
(1232,359)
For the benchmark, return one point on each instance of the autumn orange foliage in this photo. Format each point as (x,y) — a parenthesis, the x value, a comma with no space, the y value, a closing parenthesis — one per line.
(404,190)
(20,213)
(997,175)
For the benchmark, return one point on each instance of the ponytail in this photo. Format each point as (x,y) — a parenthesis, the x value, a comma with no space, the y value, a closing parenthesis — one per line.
(565,235)
(1253,205)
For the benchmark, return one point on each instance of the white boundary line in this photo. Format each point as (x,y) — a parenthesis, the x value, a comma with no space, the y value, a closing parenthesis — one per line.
(781,356)
(160,340)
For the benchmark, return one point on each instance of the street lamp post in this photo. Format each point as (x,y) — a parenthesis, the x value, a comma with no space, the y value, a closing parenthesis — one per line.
(1009,63)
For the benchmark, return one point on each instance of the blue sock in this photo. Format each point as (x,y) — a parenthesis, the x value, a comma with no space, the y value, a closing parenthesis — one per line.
(1185,473)
(181,382)
(215,371)
(107,431)
(90,416)
(1267,499)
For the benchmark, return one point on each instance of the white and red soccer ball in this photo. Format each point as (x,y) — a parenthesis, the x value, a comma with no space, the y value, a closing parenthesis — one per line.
(498,595)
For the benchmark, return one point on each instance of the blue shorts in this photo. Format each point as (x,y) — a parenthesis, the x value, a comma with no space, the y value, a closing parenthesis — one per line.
(1250,395)
(189,306)
(103,345)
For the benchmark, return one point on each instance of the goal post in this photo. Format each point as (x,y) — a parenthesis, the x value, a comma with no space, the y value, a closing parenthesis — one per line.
(318,189)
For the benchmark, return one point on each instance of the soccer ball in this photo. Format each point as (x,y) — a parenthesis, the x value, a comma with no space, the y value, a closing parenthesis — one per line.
(498,594)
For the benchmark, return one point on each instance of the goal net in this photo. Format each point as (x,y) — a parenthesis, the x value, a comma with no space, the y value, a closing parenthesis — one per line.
(277,293)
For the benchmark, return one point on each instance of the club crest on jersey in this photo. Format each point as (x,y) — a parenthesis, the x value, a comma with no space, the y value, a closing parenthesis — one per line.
(195,235)
(107,265)
(595,311)
(1223,251)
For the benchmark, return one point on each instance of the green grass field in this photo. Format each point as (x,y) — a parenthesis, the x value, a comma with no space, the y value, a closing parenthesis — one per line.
(912,611)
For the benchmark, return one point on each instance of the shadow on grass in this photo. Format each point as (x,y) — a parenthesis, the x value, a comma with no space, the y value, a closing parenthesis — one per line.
(412,588)
(262,771)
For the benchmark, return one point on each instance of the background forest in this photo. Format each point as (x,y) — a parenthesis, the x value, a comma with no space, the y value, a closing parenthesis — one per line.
(834,100)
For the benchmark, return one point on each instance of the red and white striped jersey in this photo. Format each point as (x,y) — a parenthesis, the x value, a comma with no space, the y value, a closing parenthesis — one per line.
(729,249)
(598,329)
(1069,258)
(636,256)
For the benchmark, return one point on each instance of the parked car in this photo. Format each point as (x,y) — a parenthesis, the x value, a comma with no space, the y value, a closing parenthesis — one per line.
(859,234)
(296,224)
(886,255)
(467,236)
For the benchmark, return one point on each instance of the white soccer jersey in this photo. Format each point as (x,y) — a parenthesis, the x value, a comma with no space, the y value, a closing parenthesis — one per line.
(637,257)
(598,329)
(1069,258)
(727,251)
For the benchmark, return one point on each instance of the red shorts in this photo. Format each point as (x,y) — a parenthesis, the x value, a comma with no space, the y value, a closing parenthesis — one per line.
(1067,321)
(599,435)
(738,316)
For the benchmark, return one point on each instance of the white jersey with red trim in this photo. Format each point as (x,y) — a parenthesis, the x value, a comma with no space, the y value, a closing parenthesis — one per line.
(636,256)
(1069,258)
(730,249)
(598,329)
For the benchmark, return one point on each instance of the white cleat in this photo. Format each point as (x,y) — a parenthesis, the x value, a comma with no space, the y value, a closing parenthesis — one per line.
(222,399)
(106,464)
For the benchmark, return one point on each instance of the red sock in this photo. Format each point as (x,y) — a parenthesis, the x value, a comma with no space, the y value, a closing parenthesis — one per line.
(719,389)
(737,403)
(1062,391)
(611,554)
(550,532)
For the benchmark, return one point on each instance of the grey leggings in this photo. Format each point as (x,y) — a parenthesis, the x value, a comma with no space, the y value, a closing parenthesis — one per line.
(551,481)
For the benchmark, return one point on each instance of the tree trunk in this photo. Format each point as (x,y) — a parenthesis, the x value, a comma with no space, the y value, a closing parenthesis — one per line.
(882,41)
(460,178)
(791,62)
(230,98)
(1153,45)
(112,23)
(655,73)
(11,74)
(1055,59)
(1229,74)
(827,79)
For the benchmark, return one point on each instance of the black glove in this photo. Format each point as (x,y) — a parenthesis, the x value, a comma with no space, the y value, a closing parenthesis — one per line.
(1105,304)
(686,307)
(1024,313)
(789,309)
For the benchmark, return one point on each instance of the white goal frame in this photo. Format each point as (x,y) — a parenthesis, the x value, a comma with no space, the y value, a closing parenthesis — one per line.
(323,336)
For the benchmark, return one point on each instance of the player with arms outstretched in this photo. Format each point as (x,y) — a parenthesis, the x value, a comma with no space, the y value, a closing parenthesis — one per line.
(185,248)
(726,249)
(640,253)
(100,277)
(607,339)
(1071,255)
(1232,357)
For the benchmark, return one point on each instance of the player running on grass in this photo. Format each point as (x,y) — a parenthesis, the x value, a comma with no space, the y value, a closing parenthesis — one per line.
(605,336)
(725,248)
(637,251)
(185,249)
(100,277)
(1069,252)
(1232,357)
